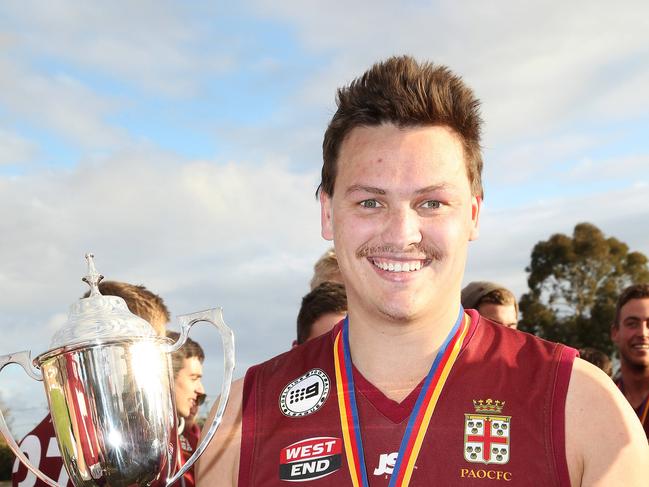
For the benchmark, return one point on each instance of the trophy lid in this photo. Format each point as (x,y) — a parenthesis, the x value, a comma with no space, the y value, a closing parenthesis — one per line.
(98,318)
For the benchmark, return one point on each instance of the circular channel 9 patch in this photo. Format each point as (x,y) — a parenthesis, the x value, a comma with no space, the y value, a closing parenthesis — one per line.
(305,395)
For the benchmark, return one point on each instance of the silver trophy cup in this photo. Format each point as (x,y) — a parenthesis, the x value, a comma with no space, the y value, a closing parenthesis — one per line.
(109,385)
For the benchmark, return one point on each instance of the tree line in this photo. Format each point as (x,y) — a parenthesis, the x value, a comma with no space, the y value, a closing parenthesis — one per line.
(574,282)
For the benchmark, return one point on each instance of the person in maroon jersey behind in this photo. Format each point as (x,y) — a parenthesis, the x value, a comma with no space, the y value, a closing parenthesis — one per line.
(630,333)
(410,389)
(320,310)
(189,393)
(40,444)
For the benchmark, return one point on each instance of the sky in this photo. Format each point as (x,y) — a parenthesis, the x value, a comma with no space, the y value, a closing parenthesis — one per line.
(181,143)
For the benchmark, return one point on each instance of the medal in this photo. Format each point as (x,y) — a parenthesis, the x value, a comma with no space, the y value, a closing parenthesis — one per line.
(419,418)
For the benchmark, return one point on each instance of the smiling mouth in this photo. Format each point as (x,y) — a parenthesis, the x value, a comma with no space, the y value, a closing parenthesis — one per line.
(399,265)
(640,346)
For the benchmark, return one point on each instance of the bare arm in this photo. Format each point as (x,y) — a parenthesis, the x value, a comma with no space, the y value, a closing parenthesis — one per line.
(605,443)
(219,464)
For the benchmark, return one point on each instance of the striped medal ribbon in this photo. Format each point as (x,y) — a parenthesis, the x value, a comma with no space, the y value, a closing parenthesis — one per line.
(645,410)
(421,414)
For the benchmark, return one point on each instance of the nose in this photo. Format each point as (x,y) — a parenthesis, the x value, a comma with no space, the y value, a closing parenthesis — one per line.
(199,388)
(402,227)
(644,328)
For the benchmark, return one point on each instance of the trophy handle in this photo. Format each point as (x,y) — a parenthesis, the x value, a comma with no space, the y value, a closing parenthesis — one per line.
(24,360)
(215,317)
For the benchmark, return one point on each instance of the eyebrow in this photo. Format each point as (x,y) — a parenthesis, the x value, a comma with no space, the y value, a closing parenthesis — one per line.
(633,318)
(432,187)
(367,189)
(374,190)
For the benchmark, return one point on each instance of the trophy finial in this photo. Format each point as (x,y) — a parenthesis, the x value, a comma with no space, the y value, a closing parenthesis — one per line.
(93,278)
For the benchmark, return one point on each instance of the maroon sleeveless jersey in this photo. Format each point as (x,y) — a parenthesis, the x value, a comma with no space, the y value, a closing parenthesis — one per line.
(499,419)
(40,446)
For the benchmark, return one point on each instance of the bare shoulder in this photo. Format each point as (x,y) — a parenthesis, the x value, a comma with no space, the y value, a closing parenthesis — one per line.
(605,443)
(219,464)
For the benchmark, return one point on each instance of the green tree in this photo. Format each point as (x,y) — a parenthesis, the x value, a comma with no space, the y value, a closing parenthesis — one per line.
(574,283)
(6,455)
(6,460)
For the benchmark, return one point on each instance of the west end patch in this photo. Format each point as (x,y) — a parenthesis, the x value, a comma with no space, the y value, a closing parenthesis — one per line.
(305,395)
(310,459)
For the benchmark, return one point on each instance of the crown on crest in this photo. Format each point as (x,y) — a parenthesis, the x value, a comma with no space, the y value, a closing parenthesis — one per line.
(488,406)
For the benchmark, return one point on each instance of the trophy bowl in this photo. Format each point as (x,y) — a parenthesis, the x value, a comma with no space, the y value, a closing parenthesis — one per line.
(109,385)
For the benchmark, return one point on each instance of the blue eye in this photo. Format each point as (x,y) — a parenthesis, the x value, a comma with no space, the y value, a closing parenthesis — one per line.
(431,204)
(369,204)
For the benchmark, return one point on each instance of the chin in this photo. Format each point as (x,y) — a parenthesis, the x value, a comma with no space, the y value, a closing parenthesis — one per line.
(637,363)
(403,315)
(405,306)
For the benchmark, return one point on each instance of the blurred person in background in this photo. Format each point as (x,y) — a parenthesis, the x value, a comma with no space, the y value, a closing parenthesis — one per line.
(326,269)
(321,309)
(630,334)
(493,301)
(598,358)
(187,363)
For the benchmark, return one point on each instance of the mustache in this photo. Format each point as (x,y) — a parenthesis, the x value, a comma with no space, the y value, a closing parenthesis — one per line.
(431,252)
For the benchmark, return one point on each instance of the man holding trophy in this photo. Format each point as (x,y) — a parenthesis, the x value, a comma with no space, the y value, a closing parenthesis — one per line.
(109,383)
(410,389)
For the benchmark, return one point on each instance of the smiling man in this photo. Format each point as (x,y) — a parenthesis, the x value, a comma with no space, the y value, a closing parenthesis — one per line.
(187,363)
(630,333)
(410,389)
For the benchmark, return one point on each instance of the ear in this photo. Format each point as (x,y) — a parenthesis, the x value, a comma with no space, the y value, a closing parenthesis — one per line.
(476,206)
(326,216)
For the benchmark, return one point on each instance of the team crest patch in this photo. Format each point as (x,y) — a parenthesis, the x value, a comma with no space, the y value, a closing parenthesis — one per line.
(487,433)
(305,395)
(310,459)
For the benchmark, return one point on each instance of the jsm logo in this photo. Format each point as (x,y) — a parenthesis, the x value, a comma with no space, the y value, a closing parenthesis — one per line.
(386,463)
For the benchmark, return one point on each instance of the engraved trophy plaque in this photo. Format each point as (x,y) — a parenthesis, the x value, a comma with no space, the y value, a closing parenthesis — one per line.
(109,386)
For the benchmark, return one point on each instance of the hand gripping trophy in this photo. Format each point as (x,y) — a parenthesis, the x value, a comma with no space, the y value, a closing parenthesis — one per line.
(109,385)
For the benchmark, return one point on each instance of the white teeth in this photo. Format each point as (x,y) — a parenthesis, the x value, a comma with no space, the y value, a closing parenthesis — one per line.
(398,266)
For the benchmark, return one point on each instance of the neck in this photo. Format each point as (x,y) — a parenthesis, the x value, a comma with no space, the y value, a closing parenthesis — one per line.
(636,382)
(396,355)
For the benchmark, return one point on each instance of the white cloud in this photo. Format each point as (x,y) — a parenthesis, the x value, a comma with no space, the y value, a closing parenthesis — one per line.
(197,233)
(15,149)
(611,169)
(58,103)
(536,66)
(529,159)
(161,46)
